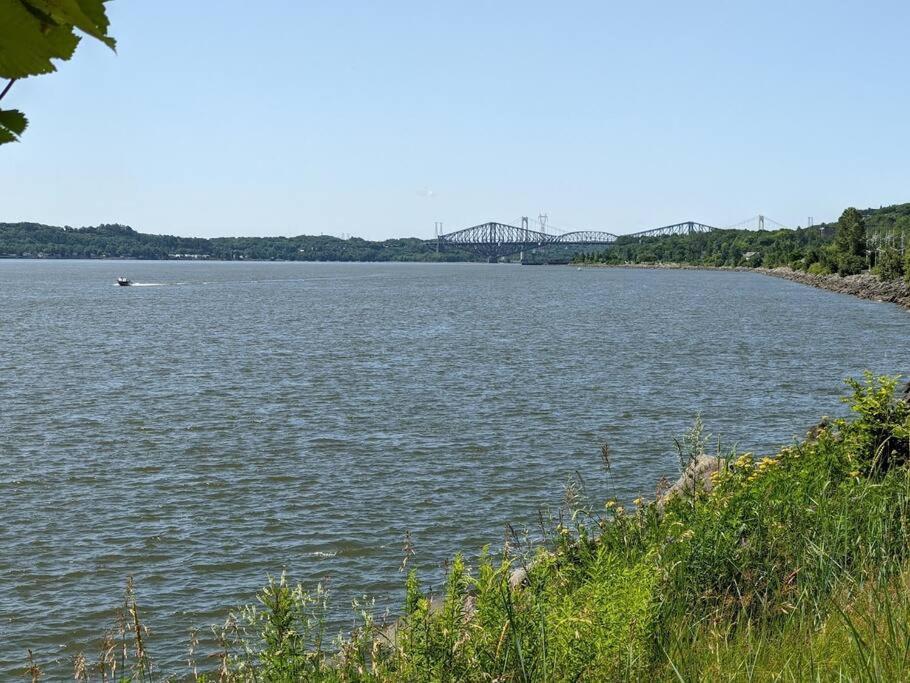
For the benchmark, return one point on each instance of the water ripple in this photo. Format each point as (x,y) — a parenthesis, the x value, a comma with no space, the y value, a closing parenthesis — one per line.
(302,417)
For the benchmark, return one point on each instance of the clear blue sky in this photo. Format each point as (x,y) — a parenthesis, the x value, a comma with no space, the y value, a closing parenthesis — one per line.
(377,119)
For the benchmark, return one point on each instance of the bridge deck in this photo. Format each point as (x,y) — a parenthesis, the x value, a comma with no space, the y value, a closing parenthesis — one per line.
(495,240)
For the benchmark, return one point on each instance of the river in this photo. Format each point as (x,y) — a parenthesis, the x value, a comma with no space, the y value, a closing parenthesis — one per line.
(231,420)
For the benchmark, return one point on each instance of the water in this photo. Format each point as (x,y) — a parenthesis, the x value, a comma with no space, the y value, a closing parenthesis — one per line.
(240,419)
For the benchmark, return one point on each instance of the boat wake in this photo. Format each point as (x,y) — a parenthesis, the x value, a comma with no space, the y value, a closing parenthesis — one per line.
(145,284)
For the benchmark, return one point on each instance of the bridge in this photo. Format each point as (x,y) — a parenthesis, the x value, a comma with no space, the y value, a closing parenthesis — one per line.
(495,240)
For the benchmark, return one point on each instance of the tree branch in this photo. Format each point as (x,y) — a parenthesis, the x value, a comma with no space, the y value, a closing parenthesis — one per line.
(6,89)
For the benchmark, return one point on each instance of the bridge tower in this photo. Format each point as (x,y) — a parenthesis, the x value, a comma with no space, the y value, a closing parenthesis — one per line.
(524,228)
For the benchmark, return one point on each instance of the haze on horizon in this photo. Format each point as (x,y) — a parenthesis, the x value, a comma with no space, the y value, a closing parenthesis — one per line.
(305,118)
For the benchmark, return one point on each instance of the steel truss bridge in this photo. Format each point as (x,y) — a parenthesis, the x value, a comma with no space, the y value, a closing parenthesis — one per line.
(495,240)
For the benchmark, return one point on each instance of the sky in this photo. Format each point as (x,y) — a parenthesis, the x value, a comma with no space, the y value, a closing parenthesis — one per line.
(379,119)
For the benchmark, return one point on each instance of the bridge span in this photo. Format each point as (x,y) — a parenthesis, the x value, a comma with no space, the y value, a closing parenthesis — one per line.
(495,240)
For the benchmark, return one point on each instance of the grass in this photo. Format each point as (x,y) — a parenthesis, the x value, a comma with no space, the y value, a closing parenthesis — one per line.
(792,568)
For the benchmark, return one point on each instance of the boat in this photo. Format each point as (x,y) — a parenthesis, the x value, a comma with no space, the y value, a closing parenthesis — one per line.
(124,282)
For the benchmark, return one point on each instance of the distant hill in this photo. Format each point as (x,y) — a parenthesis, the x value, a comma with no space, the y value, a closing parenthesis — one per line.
(34,240)
(884,217)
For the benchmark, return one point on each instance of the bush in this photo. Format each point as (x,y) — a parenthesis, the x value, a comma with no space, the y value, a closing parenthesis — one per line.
(880,439)
(850,264)
(889,265)
(281,639)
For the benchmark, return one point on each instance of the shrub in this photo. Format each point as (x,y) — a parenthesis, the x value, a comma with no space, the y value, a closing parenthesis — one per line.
(281,638)
(850,264)
(880,438)
(889,265)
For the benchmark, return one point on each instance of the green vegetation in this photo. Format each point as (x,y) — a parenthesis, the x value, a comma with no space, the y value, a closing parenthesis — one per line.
(121,241)
(889,238)
(890,241)
(33,33)
(792,567)
(878,239)
(847,255)
(719,248)
(875,238)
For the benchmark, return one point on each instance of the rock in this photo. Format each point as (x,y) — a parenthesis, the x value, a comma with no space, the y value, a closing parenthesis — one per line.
(817,429)
(518,578)
(696,477)
(387,635)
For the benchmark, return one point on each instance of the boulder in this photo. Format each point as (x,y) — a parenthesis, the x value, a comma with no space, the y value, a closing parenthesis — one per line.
(518,578)
(696,477)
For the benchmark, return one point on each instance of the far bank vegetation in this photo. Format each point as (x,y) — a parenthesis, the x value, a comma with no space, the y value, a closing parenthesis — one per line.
(877,240)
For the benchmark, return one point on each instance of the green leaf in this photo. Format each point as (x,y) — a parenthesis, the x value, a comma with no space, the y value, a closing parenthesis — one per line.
(35,32)
(94,10)
(86,15)
(12,124)
(27,45)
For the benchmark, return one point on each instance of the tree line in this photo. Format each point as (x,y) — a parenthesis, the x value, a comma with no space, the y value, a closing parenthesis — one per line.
(33,240)
(871,239)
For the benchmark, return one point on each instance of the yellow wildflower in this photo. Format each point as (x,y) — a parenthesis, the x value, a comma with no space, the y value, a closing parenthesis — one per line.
(745,460)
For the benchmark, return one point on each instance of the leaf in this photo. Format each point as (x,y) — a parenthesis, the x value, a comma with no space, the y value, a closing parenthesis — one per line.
(12,124)
(86,15)
(35,32)
(27,46)
(94,10)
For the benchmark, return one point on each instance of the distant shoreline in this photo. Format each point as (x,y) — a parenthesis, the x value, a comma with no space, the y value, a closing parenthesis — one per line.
(116,241)
(134,259)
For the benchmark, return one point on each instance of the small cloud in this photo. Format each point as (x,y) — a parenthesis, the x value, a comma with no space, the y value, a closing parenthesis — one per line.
(426,193)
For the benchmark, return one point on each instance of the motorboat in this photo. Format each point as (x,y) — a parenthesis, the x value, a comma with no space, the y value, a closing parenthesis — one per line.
(124,282)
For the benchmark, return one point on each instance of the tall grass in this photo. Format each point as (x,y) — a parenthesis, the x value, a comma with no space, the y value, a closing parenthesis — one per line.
(792,567)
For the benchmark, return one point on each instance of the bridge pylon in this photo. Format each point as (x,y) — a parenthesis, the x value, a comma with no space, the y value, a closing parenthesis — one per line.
(524,226)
